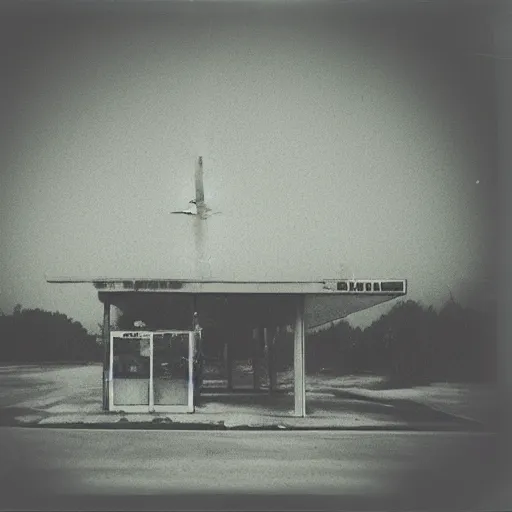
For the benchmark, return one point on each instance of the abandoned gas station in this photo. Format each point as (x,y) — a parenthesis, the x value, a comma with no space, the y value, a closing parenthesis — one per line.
(153,358)
(153,365)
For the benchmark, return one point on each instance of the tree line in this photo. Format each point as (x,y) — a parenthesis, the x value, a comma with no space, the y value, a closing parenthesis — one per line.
(36,335)
(410,344)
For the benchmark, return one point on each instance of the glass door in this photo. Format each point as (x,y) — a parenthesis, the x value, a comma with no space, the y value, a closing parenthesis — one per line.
(173,386)
(130,371)
(151,371)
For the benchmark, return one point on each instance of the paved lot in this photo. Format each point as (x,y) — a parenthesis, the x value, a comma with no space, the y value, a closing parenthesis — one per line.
(51,469)
(71,395)
(69,469)
(36,385)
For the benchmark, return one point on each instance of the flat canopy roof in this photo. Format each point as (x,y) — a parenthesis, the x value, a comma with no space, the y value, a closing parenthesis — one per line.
(394,287)
(326,300)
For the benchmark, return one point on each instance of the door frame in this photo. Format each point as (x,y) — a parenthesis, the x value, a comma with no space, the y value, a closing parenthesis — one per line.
(189,408)
(151,407)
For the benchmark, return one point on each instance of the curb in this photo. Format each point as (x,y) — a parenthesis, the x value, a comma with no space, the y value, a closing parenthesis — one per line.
(127,425)
(274,428)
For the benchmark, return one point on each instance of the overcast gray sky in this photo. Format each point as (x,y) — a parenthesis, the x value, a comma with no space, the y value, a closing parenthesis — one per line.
(337,142)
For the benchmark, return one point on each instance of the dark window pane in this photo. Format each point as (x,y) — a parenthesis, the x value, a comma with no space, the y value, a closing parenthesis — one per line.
(392,286)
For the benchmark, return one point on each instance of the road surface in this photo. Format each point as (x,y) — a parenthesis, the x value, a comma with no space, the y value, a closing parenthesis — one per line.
(51,469)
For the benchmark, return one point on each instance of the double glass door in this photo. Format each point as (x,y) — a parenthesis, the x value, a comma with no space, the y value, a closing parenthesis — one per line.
(151,371)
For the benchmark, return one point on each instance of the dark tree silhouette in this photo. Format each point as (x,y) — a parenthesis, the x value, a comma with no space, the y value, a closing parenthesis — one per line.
(35,335)
(412,345)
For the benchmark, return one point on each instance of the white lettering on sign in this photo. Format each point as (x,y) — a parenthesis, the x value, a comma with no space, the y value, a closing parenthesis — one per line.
(136,335)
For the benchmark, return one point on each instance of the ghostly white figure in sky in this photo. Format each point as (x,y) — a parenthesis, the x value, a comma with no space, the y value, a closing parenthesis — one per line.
(198,206)
(200,212)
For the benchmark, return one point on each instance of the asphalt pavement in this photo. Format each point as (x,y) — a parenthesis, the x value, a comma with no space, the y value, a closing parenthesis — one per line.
(56,469)
(141,469)
(37,385)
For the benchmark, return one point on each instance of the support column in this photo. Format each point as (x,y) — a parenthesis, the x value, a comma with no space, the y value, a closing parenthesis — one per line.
(299,366)
(106,351)
(259,356)
(228,360)
(198,356)
(270,335)
(256,358)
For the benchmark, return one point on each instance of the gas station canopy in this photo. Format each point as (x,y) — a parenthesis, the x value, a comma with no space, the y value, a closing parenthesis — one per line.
(267,304)
(325,300)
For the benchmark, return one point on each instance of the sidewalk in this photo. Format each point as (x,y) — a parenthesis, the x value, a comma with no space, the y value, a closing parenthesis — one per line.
(241,411)
(325,411)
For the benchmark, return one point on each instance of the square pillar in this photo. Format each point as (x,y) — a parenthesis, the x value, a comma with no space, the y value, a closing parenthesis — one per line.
(198,363)
(106,351)
(270,336)
(259,356)
(299,366)
(256,359)
(228,361)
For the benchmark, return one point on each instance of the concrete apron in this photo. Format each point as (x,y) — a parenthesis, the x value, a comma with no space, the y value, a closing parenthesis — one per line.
(244,411)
